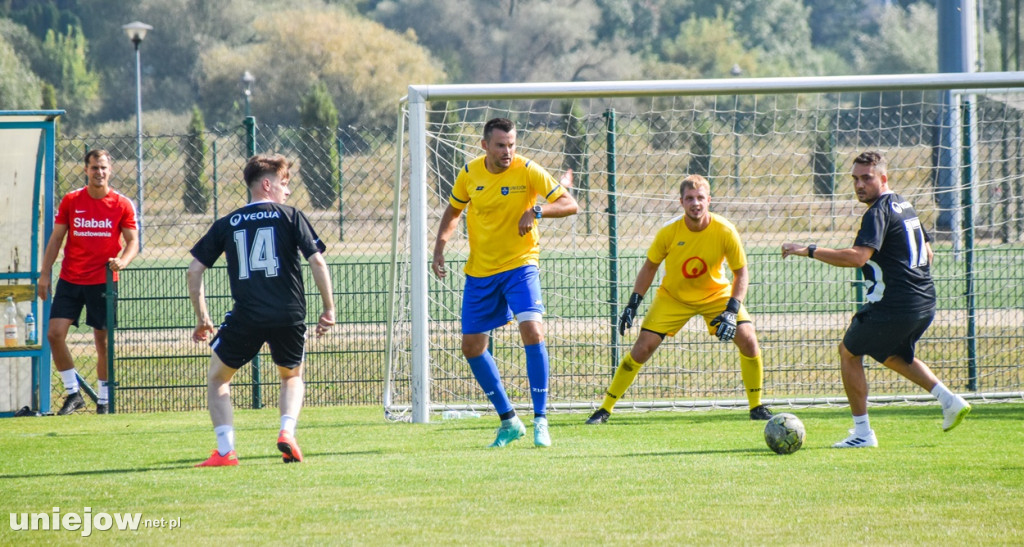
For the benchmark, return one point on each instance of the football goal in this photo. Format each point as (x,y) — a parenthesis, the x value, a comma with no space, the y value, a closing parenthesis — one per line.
(778,153)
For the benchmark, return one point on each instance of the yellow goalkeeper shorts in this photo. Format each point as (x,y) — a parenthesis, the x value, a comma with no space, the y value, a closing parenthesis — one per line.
(667,315)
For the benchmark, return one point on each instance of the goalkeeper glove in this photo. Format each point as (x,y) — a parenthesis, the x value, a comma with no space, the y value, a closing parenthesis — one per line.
(628,314)
(726,321)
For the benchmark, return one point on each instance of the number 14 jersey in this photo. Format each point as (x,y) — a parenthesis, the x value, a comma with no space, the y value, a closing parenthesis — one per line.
(262,242)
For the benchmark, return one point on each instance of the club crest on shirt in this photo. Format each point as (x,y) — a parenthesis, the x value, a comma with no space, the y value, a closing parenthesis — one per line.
(506,190)
(694,267)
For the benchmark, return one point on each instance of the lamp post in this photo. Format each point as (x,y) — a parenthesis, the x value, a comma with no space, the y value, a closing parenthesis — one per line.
(247,81)
(136,32)
(736,72)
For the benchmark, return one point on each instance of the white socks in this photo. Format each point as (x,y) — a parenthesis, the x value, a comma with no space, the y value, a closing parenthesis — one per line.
(102,393)
(225,439)
(943,394)
(861,426)
(288,424)
(70,380)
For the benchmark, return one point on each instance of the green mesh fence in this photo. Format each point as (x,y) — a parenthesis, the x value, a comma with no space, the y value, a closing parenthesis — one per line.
(778,168)
(342,180)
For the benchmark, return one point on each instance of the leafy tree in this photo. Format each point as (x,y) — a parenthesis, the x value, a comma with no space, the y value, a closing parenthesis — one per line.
(574,151)
(445,149)
(780,30)
(171,52)
(19,86)
(67,68)
(708,48)
(49,102)
(41,16)
(823,158)
(319,164)
(905,42)
(700,151)
(835,24)
(196,195)
(365,67)
(513,40)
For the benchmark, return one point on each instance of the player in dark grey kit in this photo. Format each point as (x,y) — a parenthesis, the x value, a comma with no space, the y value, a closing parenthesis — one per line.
(892,250)
(262,242)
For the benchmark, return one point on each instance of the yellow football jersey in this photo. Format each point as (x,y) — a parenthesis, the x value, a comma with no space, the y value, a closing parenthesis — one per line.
(695,262)
(494,204)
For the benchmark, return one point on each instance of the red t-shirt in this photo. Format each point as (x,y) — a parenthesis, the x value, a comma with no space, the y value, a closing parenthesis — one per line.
(94,234)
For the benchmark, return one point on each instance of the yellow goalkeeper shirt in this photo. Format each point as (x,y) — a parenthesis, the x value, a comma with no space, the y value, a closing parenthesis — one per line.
(695,262)
(494,204)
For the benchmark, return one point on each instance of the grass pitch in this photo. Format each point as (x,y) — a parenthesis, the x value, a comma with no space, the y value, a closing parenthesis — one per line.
(642,478)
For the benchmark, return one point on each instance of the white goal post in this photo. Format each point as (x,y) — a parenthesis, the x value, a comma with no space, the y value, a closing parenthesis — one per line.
(774,149)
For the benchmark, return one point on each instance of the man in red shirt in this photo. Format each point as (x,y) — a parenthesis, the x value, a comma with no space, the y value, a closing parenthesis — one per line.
(93,219)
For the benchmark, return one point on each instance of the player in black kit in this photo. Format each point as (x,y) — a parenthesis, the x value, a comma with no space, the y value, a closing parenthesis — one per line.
(262,243)
(892,250)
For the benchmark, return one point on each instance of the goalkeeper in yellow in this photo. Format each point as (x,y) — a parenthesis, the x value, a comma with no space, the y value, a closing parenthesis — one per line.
(694,248)
(499,191)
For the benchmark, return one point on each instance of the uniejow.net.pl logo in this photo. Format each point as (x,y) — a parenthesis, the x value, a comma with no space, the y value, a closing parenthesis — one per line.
(87,521)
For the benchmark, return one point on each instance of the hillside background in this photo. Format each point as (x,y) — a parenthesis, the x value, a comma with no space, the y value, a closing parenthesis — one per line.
(73,55)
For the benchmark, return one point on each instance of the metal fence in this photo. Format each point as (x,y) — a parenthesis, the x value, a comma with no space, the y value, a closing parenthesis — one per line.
(345,182)
(342,180)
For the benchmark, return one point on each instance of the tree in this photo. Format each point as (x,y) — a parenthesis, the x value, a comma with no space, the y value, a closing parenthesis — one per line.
(904,44)
(779,29)
(445,149)
(514,40)
(19,86)
(365,67)
(67,68)
(823,158)
(835,24)
(319,163)
(49,102)
(708,48)
(196,195)
(700,151)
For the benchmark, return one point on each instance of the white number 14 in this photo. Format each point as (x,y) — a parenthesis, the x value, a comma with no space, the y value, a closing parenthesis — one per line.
(262,256)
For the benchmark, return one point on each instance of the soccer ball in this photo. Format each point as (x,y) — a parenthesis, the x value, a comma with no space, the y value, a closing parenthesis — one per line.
(784,433)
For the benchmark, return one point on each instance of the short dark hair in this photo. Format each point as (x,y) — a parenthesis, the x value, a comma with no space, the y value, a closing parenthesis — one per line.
(97,153)
(871,158)
(503,124)
(261,165)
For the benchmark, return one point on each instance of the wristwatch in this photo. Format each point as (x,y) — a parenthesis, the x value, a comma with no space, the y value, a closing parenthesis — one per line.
(537,211)
(810,250)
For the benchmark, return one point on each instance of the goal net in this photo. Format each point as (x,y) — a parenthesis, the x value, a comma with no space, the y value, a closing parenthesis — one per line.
(778,154)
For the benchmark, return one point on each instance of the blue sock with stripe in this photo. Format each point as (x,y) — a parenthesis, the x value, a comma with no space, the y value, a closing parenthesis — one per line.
(486,373)
(537,371)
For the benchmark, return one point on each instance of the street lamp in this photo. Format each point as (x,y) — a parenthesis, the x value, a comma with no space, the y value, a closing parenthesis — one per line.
(136,32)
(736,72)
(247,81)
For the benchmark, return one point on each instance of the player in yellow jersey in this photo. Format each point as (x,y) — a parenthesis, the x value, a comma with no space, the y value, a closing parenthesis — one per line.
(694,248)
(499,192)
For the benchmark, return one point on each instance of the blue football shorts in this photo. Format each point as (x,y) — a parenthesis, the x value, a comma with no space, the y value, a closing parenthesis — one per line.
(492,301)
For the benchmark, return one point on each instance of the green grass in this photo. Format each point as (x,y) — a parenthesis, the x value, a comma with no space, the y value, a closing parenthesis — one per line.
(653,478)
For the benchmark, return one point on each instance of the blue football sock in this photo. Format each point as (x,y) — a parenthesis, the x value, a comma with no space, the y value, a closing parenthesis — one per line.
(486,373)
(537,371)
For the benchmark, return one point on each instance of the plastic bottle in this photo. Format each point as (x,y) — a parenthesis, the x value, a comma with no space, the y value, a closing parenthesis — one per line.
(459,414)
(10,323)
(31,337)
